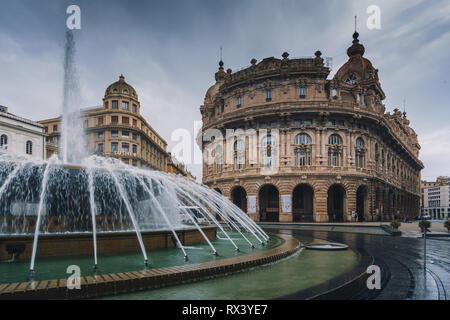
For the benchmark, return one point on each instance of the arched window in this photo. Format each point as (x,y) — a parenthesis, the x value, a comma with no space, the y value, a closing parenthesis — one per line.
(4,141)
(302,150)
(335,150)
(302,138)
(29,147)
(239,154)
(360,153)
(268,143)
(335,139)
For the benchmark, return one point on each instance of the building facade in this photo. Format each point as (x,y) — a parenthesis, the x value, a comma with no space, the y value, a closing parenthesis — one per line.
(116,129)
(436,198)
(20,136)
(176,167)
(285,143)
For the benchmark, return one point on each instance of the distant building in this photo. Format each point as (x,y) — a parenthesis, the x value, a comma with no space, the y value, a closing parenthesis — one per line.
(116,129)
(21,136)
(175,166)
(436,198)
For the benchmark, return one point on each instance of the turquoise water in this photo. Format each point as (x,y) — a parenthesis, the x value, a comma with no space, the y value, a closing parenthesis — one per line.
(303,270)
(55,268)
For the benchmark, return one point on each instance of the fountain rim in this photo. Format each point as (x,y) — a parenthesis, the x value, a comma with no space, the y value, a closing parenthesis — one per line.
(88,234)
(139,280)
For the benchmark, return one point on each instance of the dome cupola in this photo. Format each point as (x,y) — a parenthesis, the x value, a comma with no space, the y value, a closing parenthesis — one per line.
(121,88)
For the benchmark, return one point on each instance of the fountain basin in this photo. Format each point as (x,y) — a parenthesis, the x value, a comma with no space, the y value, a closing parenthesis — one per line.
(124,282)
(79,244)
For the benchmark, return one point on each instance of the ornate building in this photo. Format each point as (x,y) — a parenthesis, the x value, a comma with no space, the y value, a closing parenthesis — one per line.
(116,129)
(285,143)
(177,167)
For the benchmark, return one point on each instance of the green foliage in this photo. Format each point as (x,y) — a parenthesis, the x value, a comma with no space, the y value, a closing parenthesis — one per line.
(447,225)
(424,224)
(395,224)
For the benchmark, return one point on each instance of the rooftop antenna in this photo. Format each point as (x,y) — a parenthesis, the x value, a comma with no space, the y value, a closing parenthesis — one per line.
(355,23)
(220,53)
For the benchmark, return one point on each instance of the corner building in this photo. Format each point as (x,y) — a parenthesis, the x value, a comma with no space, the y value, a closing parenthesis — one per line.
(116,129)
(333,147)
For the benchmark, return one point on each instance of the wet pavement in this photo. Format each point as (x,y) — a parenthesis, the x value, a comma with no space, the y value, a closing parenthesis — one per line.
(399,258)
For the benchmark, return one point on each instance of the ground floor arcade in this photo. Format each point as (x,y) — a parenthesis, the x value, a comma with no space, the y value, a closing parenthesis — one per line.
(322,199)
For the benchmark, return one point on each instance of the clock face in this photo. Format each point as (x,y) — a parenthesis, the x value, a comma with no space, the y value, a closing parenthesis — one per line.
(351,79)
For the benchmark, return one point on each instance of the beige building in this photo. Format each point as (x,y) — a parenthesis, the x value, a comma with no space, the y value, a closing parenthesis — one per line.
(285,143)
(176,167)
(116,129)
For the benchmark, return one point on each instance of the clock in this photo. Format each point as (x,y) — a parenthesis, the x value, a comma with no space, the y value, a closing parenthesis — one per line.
(351,79)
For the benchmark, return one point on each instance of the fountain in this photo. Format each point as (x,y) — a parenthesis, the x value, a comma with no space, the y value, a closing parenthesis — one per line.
(78,205)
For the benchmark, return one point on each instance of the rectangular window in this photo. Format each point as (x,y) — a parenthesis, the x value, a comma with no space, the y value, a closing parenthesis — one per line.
(302,92)
(125,134)
(307,122)
(273,124)
(134,136)
(268,95)
(85,124)
(134,163)
(239,102)
(335,159)
(115,104)
(100,121)
(46,129)
(125,105)
(125,120)
(296,122)
(114,134)
(114,146)
(100,148)
(134,108)
(106,104)
(135,122)
(114,119)
(302,158)
(55,127)
(263,125)
(134,148)
(101,135)
(125,147)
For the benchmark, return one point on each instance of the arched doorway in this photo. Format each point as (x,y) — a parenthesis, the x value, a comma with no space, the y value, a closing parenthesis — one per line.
(335,203)
(269,203)
(302,203)
(239,198)
(362,203)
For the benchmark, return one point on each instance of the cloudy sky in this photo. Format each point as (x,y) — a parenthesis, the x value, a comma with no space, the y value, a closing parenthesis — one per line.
(168,50)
